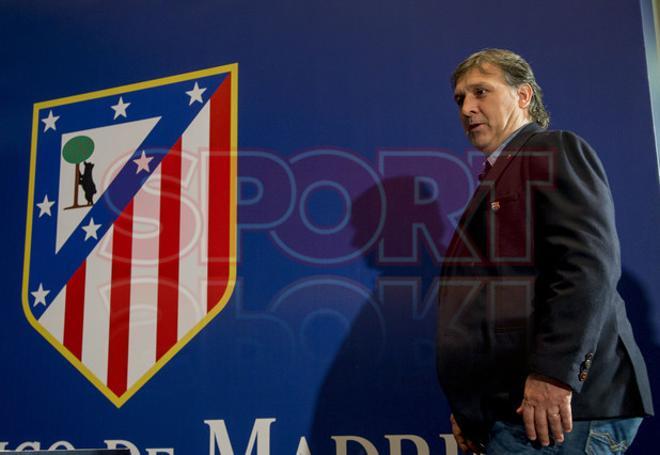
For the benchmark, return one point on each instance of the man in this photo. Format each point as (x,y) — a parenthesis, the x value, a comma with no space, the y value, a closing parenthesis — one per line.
(534,345)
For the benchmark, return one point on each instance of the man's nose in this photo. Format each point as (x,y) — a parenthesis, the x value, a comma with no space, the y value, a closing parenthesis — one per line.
(469,106)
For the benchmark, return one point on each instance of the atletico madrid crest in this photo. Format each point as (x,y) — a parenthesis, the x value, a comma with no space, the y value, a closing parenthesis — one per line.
(131,222)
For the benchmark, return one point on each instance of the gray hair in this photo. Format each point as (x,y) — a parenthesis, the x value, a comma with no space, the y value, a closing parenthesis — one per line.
(516,72)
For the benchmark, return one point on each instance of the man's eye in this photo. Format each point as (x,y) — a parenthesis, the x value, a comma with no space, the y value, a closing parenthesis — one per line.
(480,92)
(459,100)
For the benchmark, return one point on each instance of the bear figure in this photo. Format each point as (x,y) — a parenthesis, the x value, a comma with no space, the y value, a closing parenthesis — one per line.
(87,183)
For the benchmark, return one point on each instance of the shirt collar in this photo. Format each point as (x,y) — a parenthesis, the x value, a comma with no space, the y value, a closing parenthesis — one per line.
(493,156)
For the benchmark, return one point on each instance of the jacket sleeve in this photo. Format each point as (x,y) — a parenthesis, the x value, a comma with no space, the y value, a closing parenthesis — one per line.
(577,256)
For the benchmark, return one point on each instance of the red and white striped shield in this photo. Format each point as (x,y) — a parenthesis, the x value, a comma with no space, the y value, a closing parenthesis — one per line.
(131,227)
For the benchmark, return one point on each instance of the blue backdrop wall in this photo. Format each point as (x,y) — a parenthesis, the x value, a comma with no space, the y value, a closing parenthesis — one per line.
(345,115)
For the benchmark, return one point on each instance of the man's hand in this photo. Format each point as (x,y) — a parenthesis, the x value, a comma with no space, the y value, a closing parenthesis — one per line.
(546,403)
(464,444)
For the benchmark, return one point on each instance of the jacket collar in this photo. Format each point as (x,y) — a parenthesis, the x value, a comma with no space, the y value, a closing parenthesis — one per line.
(512,149)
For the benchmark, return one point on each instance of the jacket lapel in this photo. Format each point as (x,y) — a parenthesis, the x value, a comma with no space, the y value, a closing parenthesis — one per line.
(490,180)
(511,149)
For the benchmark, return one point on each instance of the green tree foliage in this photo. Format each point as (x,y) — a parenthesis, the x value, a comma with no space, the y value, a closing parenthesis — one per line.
(78,149)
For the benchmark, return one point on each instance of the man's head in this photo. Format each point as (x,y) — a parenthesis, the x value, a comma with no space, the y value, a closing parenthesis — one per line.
(497,93)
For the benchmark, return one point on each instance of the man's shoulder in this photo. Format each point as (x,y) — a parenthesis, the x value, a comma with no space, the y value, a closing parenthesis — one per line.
(556,139)
(562,150)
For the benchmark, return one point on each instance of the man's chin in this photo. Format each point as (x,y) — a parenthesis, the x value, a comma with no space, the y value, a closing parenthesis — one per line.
(476,143)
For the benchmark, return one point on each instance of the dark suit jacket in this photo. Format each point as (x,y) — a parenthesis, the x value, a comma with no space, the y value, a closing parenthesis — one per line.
(529,285)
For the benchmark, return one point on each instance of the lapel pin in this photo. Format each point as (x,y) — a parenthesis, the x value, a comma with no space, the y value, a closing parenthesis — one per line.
(495,206)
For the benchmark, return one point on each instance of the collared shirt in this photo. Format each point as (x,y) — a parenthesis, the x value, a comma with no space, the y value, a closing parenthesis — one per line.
(493,156)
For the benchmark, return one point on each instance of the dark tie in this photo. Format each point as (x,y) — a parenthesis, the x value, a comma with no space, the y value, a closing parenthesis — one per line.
(487,167)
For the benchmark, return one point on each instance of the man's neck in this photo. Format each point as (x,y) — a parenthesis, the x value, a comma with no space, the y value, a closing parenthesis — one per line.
(492,156)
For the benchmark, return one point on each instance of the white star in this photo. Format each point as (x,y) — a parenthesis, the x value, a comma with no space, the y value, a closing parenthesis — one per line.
(44,206)
(90,229)
(195,94)
(50,121)
(143,163)
(120,108)
(40,295)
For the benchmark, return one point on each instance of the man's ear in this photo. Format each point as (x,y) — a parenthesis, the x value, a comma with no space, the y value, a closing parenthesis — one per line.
(525,94)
